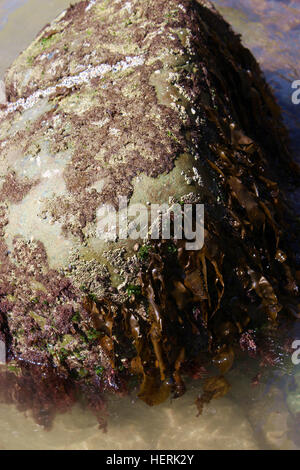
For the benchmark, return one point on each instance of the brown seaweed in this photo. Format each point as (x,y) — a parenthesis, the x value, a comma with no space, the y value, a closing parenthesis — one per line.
(214,387)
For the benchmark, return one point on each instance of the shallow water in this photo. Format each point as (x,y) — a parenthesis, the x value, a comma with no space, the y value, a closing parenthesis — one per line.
(265,416)
(21,21)
(271,30)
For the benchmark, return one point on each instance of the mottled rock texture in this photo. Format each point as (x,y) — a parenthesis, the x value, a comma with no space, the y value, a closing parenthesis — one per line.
(149,99)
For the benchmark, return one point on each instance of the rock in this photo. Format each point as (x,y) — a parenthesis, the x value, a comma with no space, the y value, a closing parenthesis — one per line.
(272,421)
(293,402)
(293,393)
(155,101)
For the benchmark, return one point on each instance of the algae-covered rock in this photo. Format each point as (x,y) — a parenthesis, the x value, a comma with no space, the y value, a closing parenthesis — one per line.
(156,101)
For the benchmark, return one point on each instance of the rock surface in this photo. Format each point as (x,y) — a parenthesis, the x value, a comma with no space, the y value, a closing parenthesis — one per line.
(150,100)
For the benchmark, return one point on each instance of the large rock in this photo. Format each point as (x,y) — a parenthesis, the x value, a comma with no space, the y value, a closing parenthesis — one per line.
(157,101)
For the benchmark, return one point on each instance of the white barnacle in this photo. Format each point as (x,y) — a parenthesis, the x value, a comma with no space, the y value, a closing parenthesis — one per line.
(68,82)
(114,131)
(197,177)
(181,7)
(127,7)
(92,3)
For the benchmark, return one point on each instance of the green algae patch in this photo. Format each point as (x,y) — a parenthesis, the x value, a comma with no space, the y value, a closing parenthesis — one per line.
(172,185)
(49,40)
(41,321)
